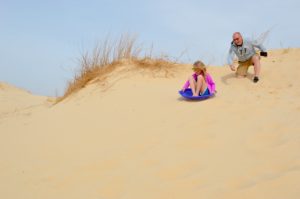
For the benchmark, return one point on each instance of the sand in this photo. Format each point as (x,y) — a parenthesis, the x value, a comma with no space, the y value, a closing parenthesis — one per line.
(136,138)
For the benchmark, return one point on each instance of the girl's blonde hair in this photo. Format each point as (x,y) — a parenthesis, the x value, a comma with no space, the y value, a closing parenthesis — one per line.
(199,65)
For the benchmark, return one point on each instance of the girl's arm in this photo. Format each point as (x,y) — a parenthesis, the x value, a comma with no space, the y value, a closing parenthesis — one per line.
(186,85)
(211,82)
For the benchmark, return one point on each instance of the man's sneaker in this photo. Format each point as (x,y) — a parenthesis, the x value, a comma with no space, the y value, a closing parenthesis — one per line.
(255,79)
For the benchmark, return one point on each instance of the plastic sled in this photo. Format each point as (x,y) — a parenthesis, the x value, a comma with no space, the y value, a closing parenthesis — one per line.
(188,94)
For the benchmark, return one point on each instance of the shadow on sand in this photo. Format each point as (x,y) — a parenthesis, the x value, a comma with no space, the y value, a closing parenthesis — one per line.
(229,76)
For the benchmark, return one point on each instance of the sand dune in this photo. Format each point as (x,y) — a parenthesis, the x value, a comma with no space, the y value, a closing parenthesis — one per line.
(14,100)
(135,137)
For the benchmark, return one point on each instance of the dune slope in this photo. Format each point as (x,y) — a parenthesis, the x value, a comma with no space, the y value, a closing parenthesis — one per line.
(137,138)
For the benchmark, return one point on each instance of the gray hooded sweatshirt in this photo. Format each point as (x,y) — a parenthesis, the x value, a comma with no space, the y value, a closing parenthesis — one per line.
(245,51)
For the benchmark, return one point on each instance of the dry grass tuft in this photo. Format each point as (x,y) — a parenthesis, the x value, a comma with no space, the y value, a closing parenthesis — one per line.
(162,64)
(107,56)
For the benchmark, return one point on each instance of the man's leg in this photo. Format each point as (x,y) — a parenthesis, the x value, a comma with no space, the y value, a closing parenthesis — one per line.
(256,63)
(242,70)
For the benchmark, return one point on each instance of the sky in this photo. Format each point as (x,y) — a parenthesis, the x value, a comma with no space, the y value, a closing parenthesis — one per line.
(41,41)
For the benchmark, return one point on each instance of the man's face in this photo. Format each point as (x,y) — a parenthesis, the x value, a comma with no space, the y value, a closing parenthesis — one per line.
(237,39)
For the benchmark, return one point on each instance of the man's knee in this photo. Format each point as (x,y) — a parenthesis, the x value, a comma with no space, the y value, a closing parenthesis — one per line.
(255,58)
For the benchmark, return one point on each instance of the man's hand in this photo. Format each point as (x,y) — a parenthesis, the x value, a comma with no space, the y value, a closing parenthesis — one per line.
(232,67)
(264,54)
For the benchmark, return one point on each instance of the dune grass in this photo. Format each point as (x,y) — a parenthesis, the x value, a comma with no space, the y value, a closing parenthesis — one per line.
(108,55)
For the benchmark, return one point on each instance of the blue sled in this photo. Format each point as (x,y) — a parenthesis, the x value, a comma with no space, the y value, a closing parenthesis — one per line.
(188,94)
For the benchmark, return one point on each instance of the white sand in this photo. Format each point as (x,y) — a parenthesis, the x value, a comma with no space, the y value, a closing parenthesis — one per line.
(139,139)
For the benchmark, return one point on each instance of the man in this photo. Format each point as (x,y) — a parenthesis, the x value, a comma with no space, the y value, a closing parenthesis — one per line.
(245,51)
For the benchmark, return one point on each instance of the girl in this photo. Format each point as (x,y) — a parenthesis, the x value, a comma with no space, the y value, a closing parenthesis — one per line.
(201,83)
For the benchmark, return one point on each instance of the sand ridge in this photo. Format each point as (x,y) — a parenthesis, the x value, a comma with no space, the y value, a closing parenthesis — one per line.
(140,139)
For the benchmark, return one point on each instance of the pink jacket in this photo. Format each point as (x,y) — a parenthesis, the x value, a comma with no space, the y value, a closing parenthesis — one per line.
(209,81)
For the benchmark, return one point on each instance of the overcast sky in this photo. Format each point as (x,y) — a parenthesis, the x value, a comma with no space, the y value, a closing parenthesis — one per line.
(41,40)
